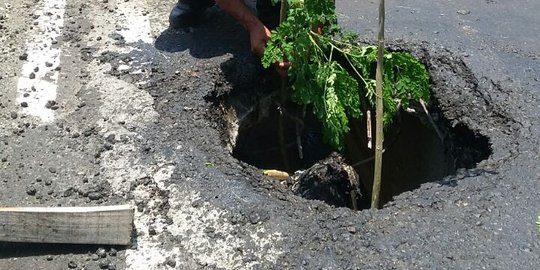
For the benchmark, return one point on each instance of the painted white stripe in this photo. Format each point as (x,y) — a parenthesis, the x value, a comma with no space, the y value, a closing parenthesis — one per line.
(149,254)
(43,59)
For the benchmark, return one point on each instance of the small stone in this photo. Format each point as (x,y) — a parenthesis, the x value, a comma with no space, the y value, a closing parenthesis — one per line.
(104,264)
(170,262)
(101,252)
(113,252)
(68,192)
(32,76)
(196,203)
(48,182)
(463,12)
(4,159)
(111,266)
(152,231)
(88,132)
(94,196)
(254,218)
(50,257)
(52,170)
(351,229)
(14,115)
(94,257)
(24,104)
(23,57)
(72,265)
(48,64)
(108,146)
(111,138)
(31,190)
(50,103)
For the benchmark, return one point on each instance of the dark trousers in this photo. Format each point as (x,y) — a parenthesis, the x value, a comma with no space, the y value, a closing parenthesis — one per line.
(267,13)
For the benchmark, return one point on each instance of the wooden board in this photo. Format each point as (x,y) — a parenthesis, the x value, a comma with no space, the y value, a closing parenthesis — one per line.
(107,225)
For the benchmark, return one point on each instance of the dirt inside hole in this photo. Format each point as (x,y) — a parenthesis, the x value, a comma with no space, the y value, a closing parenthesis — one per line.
(414,152)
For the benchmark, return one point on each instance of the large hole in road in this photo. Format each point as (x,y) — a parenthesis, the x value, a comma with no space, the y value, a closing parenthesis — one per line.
(418,148)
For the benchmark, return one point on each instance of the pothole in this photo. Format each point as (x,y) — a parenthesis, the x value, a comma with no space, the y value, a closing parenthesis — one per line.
(418,148)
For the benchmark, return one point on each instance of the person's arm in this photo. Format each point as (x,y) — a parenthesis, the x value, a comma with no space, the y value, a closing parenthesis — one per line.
(258,33)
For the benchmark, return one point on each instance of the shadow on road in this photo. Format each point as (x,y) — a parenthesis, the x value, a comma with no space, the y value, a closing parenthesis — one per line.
(218,34)
(17,250)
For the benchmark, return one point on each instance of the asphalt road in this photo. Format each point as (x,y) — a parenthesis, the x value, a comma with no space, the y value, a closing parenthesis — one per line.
(100,104)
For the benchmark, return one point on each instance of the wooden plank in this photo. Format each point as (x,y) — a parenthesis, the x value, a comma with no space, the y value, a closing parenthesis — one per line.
(107,225)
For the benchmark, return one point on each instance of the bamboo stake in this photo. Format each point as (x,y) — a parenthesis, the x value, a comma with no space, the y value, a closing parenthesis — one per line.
(283,97)
(283,11)
(379,133)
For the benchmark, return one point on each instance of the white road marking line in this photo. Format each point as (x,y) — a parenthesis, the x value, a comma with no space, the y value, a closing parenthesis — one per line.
(39,76)
(149,253)
(122,164)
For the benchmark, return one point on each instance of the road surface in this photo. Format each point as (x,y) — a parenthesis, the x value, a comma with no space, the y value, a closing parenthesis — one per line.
(100,104)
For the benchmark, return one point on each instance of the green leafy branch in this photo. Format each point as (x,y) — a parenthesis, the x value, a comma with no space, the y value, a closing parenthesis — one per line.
(334,74)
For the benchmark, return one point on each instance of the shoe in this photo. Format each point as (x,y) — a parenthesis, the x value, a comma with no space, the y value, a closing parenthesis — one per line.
(268,13)
(188,12)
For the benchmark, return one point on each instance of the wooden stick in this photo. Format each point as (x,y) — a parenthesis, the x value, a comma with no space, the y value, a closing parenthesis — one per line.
(107,225)
(299,141)
(283,11)
(431,121)
(283,97)
(369,136)
(379,132)
(364,161)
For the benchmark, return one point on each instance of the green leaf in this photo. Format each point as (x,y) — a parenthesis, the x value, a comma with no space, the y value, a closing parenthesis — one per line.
(335,75)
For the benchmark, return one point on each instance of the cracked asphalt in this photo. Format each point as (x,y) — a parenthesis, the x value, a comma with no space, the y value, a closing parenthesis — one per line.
(100,104)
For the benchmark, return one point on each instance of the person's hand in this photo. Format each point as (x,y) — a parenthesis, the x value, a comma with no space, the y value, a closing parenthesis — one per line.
(258,36)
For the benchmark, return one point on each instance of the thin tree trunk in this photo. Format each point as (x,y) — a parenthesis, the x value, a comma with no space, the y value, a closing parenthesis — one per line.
(379,135)
(283,98)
